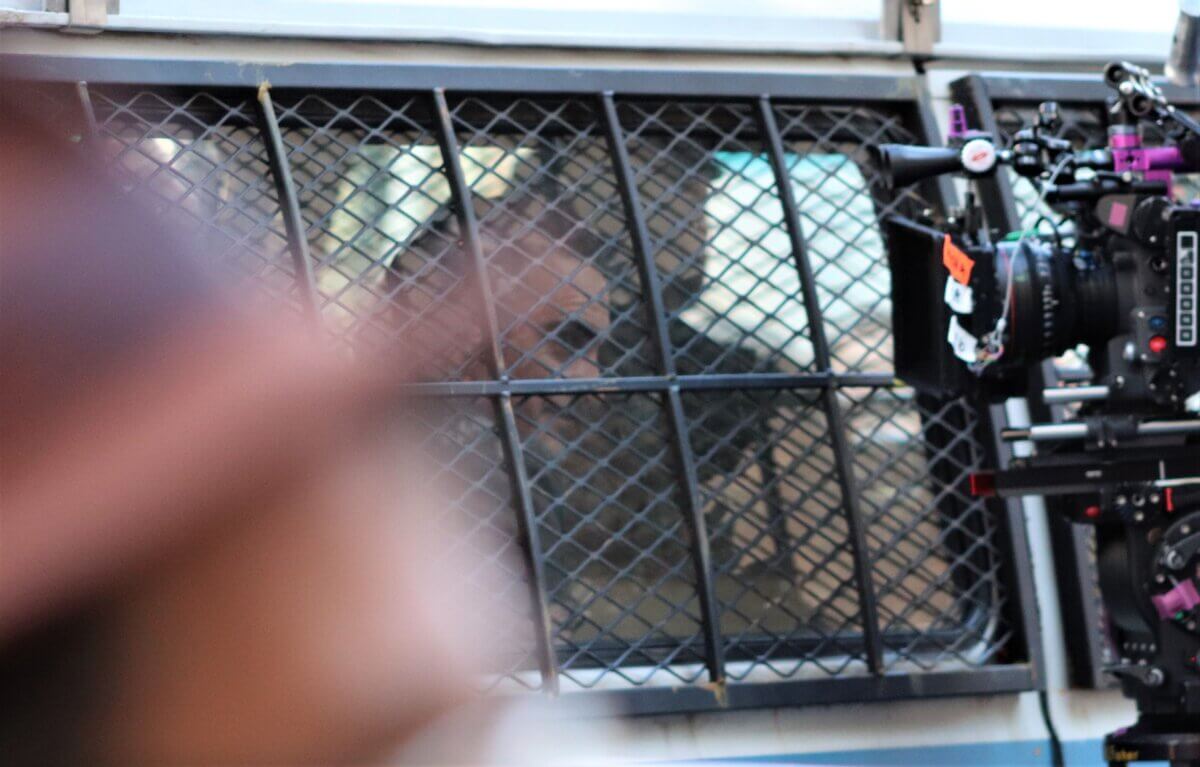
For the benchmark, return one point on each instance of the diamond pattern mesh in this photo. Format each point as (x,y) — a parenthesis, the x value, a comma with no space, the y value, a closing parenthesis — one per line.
(462,438)
(716,229)
(778,529)
(933,549)
(839,193)
(618,567)
(387,253)
(622,465)
(559,261)
(198,160)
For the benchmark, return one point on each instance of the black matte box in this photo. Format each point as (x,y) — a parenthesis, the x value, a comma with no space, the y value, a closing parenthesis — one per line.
(920,317)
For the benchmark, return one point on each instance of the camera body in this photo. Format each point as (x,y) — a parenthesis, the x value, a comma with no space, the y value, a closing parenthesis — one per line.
(1111,272)
(1123,284)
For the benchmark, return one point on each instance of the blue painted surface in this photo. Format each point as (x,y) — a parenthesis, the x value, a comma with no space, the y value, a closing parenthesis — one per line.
(1076,753)
(1030,752)
(1089,753)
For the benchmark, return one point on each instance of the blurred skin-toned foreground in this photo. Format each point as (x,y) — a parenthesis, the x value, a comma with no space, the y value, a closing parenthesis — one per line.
(216,543)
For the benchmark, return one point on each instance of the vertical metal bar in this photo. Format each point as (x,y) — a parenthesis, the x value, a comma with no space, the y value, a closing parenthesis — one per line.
(85,106)
(639,235)
(297,232)
(868,602)
(1019,568)
(657,319)
(995,191)
(505,417)
(1074,573)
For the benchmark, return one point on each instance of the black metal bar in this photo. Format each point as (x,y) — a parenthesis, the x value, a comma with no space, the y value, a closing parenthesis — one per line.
(656,313)
(289,204)
(995,191)
(85,106)
(510,438)
(703,382)
(1019,568)
(993,680)
(773,142)
(1081,88)
(214,73)
(701,555)
(1075,574)
(752,649)
(657,319)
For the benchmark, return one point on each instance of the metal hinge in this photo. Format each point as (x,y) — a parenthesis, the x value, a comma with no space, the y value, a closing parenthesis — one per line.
(85,15)
(915,23)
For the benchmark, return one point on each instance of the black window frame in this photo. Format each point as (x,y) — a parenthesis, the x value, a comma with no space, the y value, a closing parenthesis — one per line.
(762,94)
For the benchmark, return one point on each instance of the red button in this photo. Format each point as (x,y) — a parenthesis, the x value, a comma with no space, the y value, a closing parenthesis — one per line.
(1092,512)
(1158,344)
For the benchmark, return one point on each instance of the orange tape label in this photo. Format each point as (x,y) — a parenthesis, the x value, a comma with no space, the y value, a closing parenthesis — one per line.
(958,263)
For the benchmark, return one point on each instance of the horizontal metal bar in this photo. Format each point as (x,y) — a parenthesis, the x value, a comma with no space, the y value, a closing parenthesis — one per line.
(1064,394)
(423,77)
(716,382)
(754,648)
(1084,88)
(1050,432)
(990,680)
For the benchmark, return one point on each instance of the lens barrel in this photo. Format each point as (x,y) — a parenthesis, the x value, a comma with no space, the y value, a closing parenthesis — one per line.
(1056,305)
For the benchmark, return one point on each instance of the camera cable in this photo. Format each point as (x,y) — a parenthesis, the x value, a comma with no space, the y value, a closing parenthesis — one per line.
(993,347)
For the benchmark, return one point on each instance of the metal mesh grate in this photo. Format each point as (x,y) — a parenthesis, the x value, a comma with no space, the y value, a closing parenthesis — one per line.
(461,435)
(840,197)
(697,476)
(564,279)
(198,160)
(716,229)
(618,568)
(782,556)
(934,552)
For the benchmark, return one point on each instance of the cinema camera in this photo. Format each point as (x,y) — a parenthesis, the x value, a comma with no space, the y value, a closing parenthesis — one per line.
(977,311)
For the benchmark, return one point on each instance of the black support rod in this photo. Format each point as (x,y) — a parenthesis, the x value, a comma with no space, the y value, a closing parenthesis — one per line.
(657,319)
(505,417)
(773,142)
(289,204)
(658,383)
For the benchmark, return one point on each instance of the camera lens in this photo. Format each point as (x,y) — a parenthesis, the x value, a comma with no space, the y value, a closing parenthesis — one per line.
(1055,305)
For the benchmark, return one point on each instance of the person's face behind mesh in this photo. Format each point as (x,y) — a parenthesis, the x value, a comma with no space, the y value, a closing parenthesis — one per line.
(265,576)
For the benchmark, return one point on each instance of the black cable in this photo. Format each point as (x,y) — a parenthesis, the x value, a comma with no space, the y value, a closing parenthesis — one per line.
(1058,240)
(1056,752)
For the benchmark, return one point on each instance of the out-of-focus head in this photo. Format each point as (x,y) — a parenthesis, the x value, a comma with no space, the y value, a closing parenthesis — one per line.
(214,544)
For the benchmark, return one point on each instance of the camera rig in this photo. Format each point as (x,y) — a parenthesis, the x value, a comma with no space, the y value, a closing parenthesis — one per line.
(1113,275)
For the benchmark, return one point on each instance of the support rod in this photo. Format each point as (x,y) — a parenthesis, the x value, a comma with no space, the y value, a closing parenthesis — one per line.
(657,319)
(510,438)
(773,141)
(289,204)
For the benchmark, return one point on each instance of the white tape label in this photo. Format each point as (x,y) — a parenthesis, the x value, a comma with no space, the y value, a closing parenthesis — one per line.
(959,297)
(965,345)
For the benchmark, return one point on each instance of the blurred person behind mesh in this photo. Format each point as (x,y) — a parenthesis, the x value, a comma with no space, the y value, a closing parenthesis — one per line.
(214,546)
